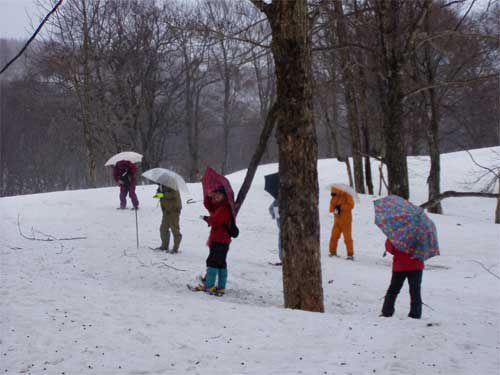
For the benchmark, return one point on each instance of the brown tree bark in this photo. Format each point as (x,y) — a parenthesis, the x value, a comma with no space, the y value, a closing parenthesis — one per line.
(497,210)
(365,127)
(2,139)
(434,179)
(391,95)
(86,102)
(291,47)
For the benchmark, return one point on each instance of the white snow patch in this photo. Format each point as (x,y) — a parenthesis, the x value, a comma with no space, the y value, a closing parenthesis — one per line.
(102,306)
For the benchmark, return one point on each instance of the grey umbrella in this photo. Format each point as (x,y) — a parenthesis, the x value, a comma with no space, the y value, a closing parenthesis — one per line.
(166,177)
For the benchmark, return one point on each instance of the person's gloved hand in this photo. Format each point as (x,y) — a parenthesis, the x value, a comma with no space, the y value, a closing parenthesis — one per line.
(336,211)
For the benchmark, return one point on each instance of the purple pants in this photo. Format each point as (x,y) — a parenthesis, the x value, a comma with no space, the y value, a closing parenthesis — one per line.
(130,189)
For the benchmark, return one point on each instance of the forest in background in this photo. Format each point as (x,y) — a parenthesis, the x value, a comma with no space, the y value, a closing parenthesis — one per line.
(190,84)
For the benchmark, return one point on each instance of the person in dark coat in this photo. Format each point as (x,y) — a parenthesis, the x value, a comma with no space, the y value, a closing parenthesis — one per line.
(124,174)
(403,267)
(217,204)
(275,214)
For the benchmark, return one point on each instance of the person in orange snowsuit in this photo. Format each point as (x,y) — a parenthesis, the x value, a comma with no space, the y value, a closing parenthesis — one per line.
(341,205)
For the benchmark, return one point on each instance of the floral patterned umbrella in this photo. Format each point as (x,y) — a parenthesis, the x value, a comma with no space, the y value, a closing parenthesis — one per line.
(407,227)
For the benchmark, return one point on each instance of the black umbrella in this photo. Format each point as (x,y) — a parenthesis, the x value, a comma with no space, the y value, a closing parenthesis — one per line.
(272,185)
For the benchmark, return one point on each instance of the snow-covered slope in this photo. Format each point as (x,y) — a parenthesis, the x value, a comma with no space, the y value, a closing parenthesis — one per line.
(102,306)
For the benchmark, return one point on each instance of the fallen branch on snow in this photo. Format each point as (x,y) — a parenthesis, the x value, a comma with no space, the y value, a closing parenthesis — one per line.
(166,265)
(48,237)
(450,193)
(485,268)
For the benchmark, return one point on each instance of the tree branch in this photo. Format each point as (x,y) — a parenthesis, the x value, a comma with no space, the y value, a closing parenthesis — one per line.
(32,37)
(495,173)
(450,193)
(485,268)
(257,156)
(48,238)
(452,33)
(450,83)
(164,264)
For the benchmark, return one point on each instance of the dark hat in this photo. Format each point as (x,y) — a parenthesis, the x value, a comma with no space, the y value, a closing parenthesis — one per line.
(219,189)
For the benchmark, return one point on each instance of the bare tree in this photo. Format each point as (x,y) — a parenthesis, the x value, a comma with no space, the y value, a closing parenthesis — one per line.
(398,24)
(346,63)
(73,42)
(228,56)
(291,47)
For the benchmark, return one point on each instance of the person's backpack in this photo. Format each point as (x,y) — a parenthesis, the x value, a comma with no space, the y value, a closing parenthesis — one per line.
(125,175)
(232,229)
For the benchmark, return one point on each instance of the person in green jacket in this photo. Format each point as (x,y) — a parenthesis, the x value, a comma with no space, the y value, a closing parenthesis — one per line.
(171,206)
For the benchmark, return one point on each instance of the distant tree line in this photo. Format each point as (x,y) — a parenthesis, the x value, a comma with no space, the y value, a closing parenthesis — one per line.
(190,84)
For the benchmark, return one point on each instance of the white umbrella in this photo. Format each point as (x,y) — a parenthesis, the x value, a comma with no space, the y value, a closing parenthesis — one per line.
(166,177)
(346,189)
(131,156)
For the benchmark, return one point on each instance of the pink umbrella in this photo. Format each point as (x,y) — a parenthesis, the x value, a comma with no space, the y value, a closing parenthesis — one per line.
(212,180)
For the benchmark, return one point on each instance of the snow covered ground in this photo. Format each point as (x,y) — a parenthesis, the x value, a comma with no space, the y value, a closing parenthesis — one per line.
(102,306)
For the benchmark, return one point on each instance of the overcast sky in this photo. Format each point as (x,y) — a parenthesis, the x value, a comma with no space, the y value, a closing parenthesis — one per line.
(16,17)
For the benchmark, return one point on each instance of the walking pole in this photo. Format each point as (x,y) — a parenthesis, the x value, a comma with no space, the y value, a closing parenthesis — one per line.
(136,229)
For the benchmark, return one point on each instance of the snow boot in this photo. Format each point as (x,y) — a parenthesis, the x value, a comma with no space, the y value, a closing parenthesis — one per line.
(221,284)
(210,277)
(415,311)
(388,307)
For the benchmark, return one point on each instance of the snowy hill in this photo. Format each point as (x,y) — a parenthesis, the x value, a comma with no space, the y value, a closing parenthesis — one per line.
(101,306)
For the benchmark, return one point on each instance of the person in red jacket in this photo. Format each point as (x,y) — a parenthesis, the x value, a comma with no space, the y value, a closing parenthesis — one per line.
(124,173)
(218,241)
(403,266)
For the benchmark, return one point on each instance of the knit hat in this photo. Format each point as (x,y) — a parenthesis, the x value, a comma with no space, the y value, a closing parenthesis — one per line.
(219,189)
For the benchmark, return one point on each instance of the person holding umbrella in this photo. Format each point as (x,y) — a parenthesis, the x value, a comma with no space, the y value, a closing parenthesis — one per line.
(169,184)
(124,171)
(171,206)
(403,267)
(411,239)
(219,201)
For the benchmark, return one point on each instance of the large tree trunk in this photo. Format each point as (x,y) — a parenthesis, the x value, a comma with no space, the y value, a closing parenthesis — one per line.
(365,128)
(291,46)
(191,129)
(350,98)
(226,118)
(86,103)
(434,179)
(391,97)
(497,210)
(2,139)
(332,123)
